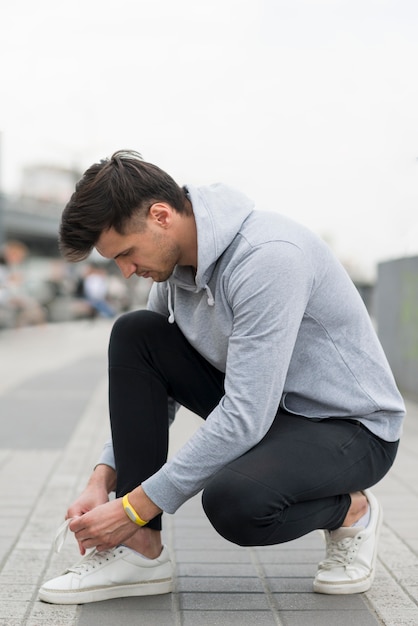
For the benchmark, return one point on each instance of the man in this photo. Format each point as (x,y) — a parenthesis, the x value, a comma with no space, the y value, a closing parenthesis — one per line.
(256,327)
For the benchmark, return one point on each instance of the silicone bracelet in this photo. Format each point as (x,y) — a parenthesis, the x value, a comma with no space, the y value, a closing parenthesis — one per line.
(131,513)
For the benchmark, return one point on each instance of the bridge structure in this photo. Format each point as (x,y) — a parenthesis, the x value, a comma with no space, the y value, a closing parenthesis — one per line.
(33,221)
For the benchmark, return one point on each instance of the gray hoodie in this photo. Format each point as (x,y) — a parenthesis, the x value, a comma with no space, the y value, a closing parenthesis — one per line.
(272,308)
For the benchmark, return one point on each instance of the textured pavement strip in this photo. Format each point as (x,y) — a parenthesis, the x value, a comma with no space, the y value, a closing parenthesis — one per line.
(35,484)
(394,595)
(216,582)
(32,560)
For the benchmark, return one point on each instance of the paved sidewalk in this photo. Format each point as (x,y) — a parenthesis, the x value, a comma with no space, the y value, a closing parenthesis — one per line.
(53,421)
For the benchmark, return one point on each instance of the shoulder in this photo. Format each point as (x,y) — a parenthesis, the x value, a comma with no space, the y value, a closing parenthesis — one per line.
(268,227)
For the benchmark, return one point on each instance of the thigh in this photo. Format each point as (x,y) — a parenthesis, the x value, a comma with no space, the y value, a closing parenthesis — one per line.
(145,342)
(302,459)
(295,480)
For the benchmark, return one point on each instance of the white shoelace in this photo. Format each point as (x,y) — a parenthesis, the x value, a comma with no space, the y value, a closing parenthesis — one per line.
(89,561)
(61,535)
(94,559)
(340,553)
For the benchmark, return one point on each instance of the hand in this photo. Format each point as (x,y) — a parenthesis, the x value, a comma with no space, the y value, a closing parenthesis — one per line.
(104,527)
(91,497)
(101,482)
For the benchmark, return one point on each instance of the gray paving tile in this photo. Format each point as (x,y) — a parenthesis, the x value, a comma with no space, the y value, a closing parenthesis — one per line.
(223,618)
(223,602)
(292,557)
(29,407)
(318,602)
(219,584)
(16,593)
(213,556)
(13,609)
(327,618)
(290,585)
(52,615)
(288,570)
(150,610)
(215,569)
(393,617)
(90,617)
(194,542)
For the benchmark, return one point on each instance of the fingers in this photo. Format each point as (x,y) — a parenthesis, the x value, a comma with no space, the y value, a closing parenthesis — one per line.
(98,543)
(77,524)
(86,536)
(104,527)
(75,528)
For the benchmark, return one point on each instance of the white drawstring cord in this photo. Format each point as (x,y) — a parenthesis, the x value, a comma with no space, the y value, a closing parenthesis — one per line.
(171,318)
(170,306)
(211,299)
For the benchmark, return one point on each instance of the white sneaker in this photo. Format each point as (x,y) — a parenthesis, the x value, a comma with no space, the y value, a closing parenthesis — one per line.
(349,566)
(115,573)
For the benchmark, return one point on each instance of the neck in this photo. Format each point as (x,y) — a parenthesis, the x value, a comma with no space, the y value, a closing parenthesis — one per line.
(188,241)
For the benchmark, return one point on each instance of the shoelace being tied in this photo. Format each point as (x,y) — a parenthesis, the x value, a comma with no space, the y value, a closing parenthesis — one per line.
(61,535)
(93,559)
(341,552)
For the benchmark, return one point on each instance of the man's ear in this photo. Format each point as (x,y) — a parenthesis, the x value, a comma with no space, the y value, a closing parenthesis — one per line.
(161,214)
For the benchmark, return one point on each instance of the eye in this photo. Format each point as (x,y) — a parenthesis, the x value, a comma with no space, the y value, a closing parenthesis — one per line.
(125,253)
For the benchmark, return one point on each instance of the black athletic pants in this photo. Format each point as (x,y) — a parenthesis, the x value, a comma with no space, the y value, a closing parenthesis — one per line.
(295,480)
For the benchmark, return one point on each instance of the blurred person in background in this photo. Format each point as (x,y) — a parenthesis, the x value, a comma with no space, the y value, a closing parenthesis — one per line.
(23,309)
(95,288)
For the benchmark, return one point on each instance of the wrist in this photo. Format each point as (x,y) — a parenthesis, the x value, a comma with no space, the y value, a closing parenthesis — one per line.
(145,508)
(103,477)
(131,512)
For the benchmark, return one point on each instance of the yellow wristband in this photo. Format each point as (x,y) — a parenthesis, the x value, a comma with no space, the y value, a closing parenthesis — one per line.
(131,513)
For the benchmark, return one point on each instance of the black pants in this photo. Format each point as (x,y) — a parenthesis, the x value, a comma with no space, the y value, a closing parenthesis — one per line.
(295,480)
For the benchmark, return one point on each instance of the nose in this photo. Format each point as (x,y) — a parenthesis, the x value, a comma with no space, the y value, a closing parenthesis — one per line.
(126,267)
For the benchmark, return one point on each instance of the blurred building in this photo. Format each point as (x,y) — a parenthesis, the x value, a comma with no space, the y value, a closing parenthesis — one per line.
(48,183)
(33,214)
(397,319)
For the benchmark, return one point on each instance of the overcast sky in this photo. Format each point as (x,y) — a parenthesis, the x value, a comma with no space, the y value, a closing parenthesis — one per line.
(308,106)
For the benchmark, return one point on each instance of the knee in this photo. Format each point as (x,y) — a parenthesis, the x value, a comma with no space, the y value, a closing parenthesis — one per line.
(134,322)
(237,509)
(223,505)
(131,329)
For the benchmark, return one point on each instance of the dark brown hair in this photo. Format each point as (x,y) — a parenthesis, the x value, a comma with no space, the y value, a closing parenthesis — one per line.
(109,195)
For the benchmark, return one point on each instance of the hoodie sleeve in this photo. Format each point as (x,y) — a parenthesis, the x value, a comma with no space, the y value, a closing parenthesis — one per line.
(268,292)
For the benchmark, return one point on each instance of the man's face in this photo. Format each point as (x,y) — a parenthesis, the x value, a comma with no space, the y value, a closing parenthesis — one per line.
(150,253)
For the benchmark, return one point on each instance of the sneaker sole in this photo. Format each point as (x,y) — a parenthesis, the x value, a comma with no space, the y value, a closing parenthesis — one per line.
(98,594)
(357,586)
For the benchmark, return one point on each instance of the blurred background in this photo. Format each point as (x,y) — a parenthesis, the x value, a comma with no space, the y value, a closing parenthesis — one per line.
(308,106)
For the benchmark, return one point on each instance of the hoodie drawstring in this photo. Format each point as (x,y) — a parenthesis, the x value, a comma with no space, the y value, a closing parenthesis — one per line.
(211,300)
(171,318)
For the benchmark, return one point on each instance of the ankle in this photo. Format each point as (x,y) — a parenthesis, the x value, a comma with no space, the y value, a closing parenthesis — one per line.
(147,542)
(358,508)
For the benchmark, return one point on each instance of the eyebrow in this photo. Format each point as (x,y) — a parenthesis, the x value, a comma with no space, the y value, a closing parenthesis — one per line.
(122,253)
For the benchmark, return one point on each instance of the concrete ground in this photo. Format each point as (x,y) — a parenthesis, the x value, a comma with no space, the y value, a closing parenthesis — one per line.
(53,421)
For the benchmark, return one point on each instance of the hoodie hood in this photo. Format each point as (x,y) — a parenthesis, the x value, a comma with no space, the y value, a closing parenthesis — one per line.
(219,212)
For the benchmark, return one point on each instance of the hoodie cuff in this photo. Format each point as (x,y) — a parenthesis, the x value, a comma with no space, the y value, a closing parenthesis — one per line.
(163,492)
(107,456)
